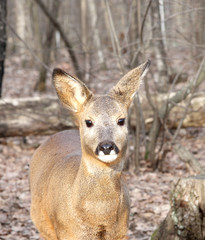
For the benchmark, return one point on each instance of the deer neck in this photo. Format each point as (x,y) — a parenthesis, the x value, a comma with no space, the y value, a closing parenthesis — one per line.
(95,178)
(97,192)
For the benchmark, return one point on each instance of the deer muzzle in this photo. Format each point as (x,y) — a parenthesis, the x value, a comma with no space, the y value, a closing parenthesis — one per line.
(107,151)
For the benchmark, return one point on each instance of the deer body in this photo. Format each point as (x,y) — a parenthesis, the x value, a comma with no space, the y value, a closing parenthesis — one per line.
(77,188)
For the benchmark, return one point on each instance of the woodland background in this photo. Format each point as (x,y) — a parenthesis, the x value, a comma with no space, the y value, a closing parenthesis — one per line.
(99,41)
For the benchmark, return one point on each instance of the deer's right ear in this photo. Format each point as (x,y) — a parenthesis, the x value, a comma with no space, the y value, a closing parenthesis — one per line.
(71,91)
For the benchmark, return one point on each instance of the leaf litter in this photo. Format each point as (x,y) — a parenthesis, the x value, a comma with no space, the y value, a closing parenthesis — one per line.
(149,191)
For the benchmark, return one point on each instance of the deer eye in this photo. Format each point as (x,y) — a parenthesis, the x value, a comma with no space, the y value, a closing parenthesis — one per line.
(89,123)
(121,122)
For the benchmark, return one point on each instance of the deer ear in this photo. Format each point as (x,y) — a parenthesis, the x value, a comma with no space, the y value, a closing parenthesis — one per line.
(71,91)
(129,84)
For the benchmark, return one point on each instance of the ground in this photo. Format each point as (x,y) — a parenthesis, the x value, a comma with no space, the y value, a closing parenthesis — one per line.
(149,191)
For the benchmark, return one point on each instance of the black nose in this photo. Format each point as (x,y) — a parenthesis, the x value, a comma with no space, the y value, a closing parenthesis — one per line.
(106,147)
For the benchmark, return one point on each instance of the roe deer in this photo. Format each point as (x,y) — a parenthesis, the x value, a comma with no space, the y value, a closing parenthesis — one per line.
(77,188)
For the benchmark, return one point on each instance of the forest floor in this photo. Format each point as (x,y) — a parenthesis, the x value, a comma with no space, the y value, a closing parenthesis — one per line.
(149,191)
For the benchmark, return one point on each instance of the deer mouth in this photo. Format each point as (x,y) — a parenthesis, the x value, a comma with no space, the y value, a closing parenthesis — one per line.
(107,151)
(107,157)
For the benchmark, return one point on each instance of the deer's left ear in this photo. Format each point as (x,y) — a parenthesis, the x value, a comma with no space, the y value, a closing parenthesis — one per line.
(128,85)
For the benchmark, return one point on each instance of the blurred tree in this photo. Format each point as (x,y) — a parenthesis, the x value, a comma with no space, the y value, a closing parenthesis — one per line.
(20,17)
(160,53)
(36,23)
(95,31)
(46,47)
(84,39)
(197,20)
(135,22)
(3,10)
(64,37)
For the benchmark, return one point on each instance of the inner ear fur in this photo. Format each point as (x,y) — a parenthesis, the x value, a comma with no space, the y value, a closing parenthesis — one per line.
(72,93)
(129,84)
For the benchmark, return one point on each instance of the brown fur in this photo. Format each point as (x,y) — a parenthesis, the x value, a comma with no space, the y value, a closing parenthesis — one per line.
(76,196)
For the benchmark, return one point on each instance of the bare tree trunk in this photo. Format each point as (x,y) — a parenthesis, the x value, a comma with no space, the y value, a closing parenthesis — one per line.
(84,27)
(63,37)
(84,39)
(136,35)
(47,44)
(21,25)
(162,21)
(198,28)
(135,23)
(114,38)
(186,217)
(137,108)
(3,10)
(96,36)
(23,30)
(36,30)
(162,79)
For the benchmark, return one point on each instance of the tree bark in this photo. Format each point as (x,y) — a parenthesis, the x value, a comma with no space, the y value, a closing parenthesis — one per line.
(186,217)
(3,10)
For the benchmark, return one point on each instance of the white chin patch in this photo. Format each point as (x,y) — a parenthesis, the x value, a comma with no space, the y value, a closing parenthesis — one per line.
(107,158)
